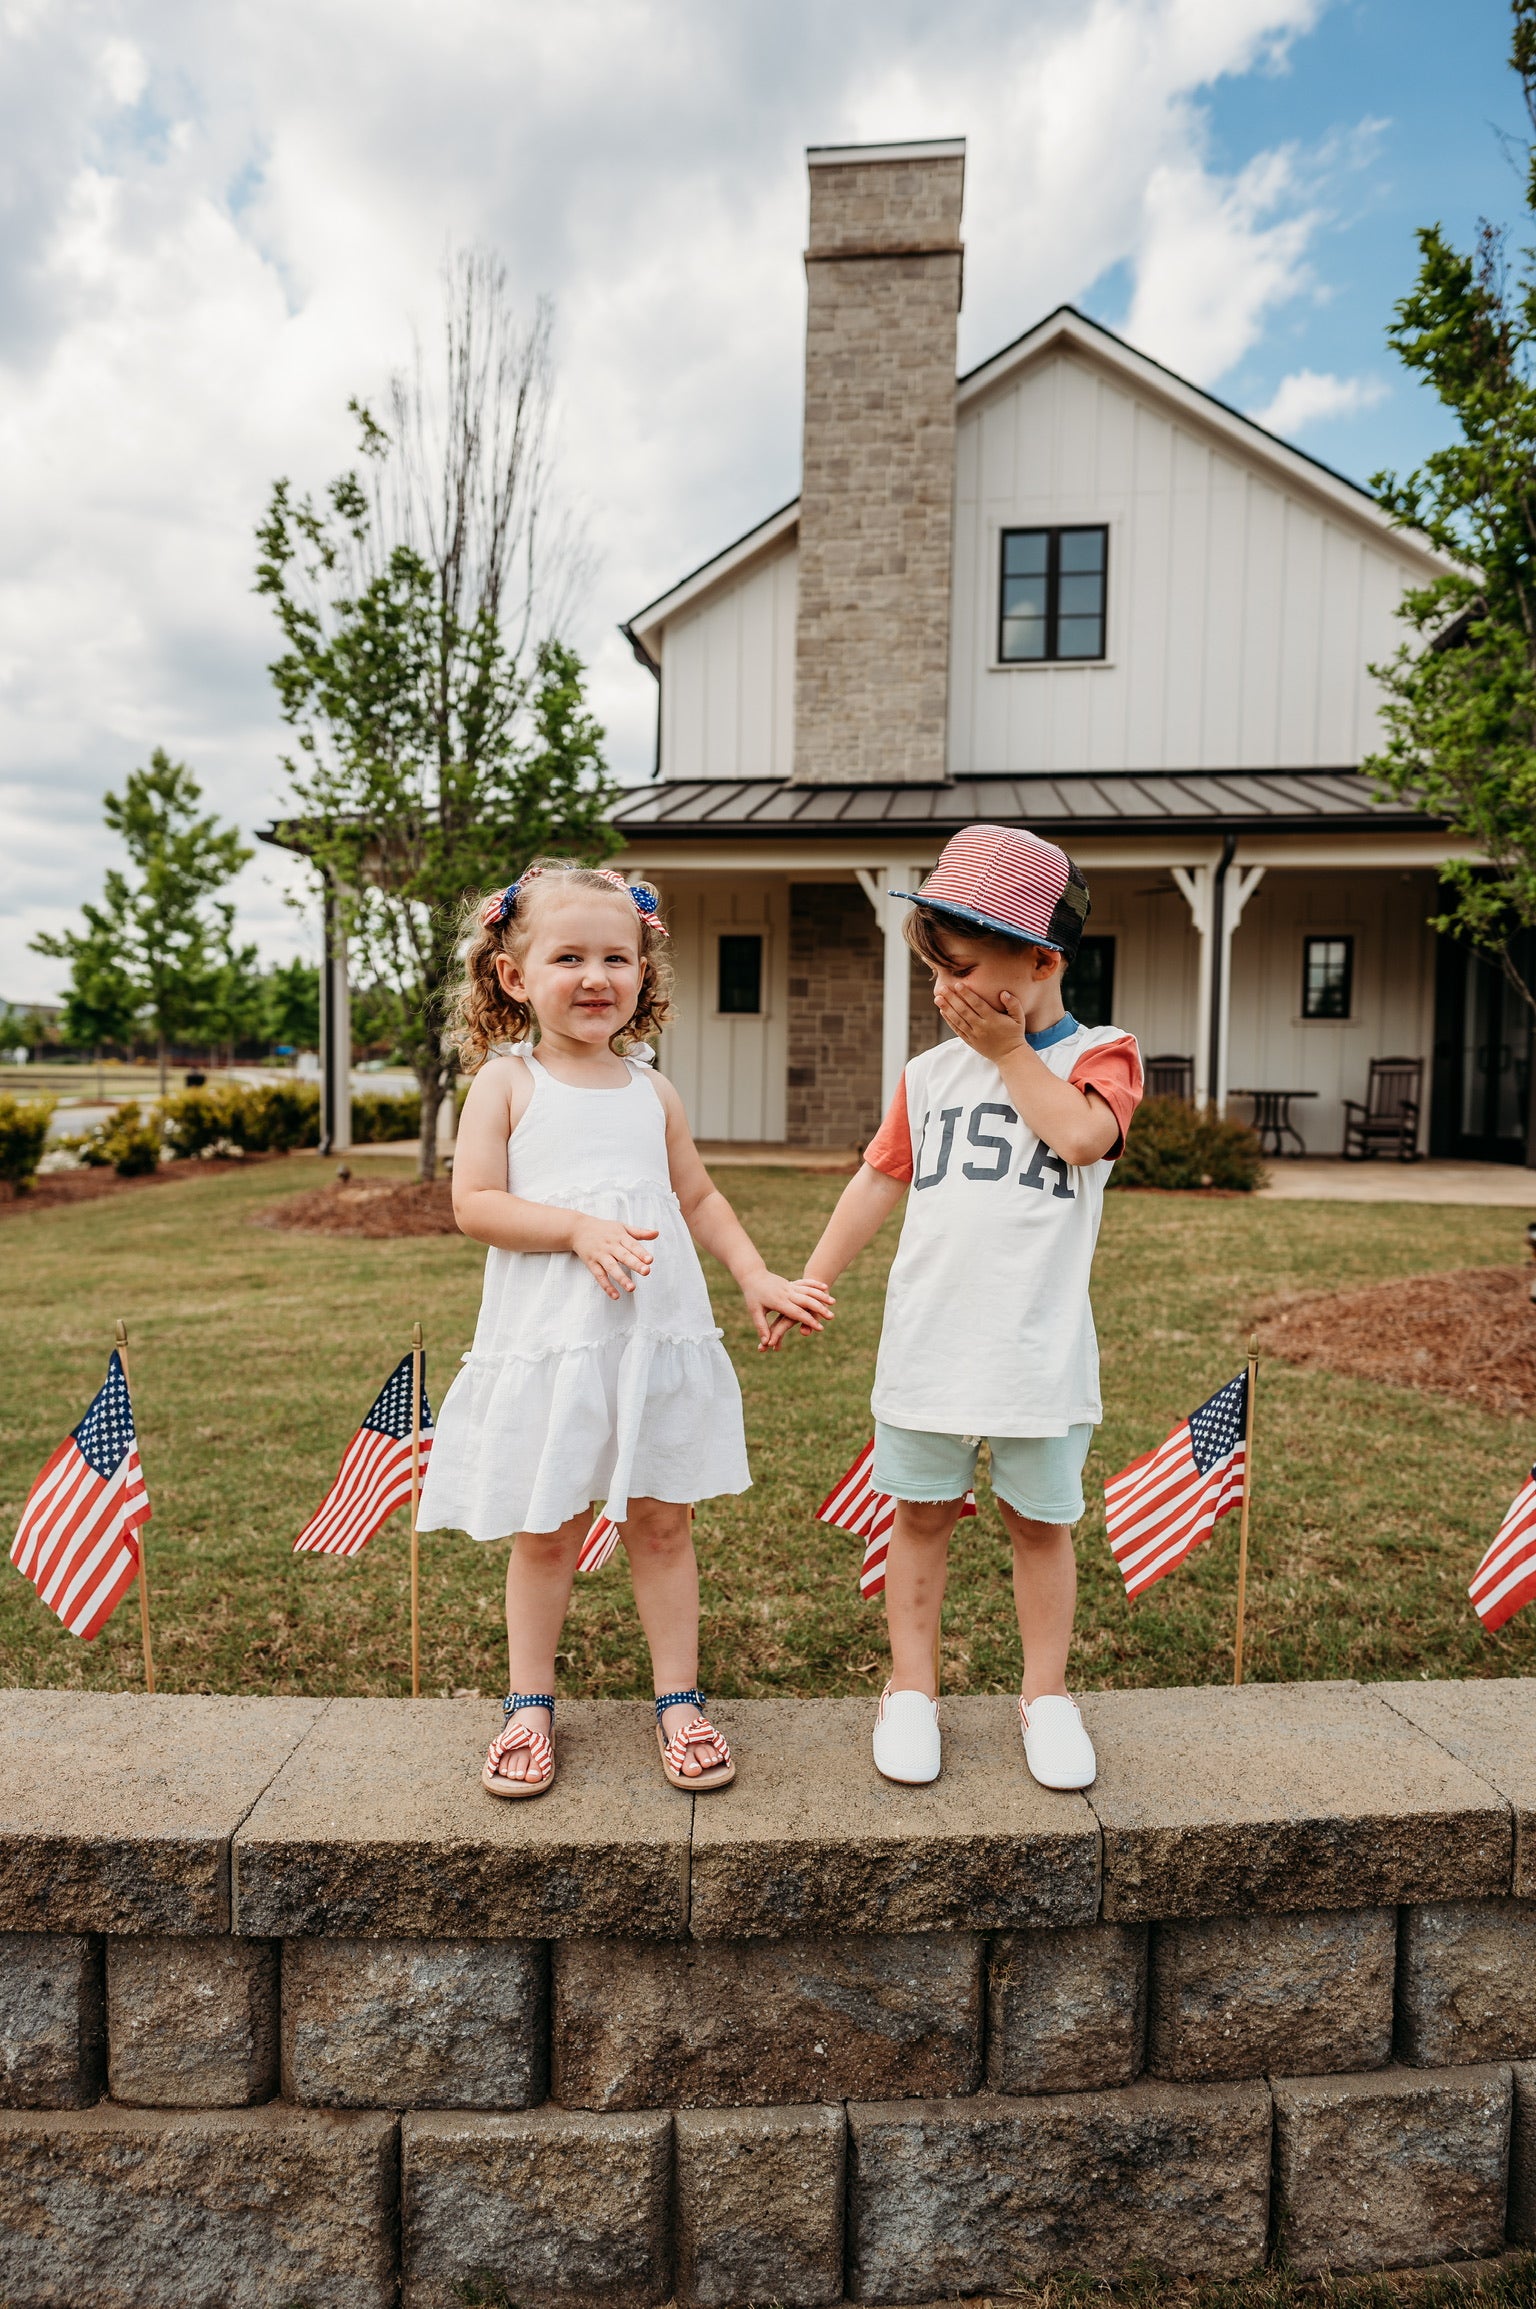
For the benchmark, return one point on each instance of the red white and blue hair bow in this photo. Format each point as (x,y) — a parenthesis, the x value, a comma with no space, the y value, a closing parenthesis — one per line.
(502,904)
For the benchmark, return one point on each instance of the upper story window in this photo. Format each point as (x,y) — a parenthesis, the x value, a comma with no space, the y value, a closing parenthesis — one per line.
(1327,977)
(1053,593)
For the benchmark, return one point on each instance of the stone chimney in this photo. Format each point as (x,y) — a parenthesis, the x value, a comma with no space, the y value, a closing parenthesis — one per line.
(883,271)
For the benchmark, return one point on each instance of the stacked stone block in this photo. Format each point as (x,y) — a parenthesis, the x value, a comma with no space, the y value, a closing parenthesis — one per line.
(296,2033)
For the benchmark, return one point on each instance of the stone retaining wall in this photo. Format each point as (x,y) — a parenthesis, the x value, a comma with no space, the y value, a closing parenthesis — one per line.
(290,2012)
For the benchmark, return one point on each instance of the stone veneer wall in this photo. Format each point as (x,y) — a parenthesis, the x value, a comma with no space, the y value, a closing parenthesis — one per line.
(291,2012)
(836,1001)
(878,469)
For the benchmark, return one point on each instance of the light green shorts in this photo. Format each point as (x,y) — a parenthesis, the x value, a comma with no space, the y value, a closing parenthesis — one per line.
(1040,1476)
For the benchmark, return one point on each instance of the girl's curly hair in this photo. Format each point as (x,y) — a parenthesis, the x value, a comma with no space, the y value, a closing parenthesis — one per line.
(485,1015)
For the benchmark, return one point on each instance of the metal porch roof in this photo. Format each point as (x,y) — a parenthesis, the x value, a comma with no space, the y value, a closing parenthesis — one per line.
(1204,801)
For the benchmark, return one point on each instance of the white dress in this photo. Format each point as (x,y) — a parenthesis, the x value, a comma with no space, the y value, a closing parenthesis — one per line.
(567,1397)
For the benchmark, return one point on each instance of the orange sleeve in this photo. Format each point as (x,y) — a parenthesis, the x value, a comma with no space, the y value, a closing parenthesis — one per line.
(890,1150)
(1114,1071)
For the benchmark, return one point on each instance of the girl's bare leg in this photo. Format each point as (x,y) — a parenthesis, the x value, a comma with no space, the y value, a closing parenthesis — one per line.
(658,1538)
(540,1569)
(915,1571)
(1045,1592)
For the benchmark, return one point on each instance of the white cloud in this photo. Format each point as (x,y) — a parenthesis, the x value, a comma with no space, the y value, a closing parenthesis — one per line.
(1311,396)
(216,230)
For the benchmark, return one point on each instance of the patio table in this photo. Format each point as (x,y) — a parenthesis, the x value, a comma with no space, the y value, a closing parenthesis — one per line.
(1272,1118)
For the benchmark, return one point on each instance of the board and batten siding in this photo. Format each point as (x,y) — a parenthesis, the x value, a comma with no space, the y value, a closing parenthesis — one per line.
(730,1072)
(728,677)
(1242,611)
(1157,982)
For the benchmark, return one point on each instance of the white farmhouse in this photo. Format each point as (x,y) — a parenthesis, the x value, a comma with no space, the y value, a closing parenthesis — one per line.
(1068,591)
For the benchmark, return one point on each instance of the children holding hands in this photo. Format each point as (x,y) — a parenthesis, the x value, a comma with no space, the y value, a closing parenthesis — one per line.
(597,1371)
(1002,1140)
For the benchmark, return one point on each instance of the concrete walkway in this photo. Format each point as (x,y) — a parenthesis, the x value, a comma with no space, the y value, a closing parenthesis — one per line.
(1326,1179)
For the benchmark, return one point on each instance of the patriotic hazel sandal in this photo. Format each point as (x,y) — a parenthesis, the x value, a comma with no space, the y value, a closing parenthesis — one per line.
(700,1733)
(513,1740)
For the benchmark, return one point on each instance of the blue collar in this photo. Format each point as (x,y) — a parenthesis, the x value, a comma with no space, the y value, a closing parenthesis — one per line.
(1066,1024)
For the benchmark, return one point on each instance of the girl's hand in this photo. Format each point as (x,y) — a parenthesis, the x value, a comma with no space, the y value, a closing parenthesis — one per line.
(606,1247)
(992,1033)
(777,1306)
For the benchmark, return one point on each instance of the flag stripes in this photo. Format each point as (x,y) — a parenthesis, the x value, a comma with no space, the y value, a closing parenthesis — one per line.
(1166,1502)
(1506,1577)
(853,1506)
(375,1473)
(78,1539)
(598,1545)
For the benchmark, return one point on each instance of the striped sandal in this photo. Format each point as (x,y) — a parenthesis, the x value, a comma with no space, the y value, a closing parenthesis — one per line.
(700,1733)
(513,1740)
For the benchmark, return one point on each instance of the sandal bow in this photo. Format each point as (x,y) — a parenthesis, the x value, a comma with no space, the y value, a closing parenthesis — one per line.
(699,1734)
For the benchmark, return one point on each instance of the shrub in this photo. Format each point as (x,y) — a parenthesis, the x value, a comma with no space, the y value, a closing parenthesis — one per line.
(198,1121)
(379,1118)
(23,1135)
(276,1117)
(249,1118)
(127,1142)
(1172,1145)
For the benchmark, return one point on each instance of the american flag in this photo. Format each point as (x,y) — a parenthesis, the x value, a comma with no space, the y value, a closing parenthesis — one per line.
(598,1545)
(78,1542)
(1169,1499)
(1506,1577)
(853,1507)
(375,1475)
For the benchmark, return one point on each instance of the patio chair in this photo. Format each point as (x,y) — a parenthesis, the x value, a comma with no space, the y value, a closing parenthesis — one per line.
(1171,1077)
(1389,1119)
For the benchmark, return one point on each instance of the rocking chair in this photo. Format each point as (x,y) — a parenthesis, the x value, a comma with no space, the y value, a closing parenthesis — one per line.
(1388,1122)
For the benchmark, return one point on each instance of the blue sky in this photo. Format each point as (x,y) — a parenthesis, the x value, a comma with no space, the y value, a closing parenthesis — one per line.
(218,224)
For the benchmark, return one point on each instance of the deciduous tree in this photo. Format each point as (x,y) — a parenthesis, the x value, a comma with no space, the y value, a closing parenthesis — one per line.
(1460,705)
(442,736)
(149,957)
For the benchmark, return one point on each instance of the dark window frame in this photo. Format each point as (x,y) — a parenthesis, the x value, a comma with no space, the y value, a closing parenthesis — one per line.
(1099,940)
(1346,939)
(1053,534)
(758,939)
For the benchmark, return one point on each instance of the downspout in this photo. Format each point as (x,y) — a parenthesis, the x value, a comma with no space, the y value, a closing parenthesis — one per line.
(1218,925)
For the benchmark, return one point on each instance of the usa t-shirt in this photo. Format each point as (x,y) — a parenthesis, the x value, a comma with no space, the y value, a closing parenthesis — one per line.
(988,1330)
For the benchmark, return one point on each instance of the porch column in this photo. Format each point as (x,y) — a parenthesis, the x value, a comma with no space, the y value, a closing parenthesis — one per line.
(896,1001)
(1239,888)
(1198,884)
(335,1035)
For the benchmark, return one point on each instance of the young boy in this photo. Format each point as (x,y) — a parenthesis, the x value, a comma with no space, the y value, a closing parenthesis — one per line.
(1005,1136)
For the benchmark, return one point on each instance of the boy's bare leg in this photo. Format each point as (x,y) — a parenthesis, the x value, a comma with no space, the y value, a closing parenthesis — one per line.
(658,1539)
(540,1569)
(1045,1592)
(915,1571)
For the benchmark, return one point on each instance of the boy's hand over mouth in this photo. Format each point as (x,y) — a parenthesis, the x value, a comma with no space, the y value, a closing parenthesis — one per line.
(993,1032)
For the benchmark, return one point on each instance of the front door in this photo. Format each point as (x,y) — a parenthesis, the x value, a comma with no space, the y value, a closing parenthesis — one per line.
(1482,1102)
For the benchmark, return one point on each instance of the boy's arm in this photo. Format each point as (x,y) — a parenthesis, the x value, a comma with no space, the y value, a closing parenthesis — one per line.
(862,1208)
(1078,1125)
(715,1227)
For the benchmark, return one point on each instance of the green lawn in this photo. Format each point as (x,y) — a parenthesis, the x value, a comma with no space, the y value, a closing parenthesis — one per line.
(256,1352)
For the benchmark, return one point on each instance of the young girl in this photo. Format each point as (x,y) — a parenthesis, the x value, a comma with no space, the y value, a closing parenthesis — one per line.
(597,1370)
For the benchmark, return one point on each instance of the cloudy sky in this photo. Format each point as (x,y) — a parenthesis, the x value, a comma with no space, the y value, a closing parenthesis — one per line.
(220,222)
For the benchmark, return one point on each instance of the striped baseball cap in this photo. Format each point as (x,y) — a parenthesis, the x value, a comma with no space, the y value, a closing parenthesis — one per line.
(1002,878)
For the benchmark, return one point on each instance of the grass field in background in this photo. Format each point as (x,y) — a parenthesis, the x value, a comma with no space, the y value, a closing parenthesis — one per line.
(255,1354)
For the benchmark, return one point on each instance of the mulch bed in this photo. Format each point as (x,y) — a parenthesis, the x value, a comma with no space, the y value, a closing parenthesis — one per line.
(406,1207)
(88,1186)
(1470,1334)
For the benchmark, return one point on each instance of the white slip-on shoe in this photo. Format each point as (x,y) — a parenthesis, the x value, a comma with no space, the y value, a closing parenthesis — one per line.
(1056,1747)
(907,1737)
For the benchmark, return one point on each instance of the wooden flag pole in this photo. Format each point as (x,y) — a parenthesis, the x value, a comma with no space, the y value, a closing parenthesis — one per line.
(416,1357)
(149,1657)
(1242,1532)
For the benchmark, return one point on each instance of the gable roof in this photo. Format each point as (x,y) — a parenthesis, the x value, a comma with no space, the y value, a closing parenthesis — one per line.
(1067,329)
